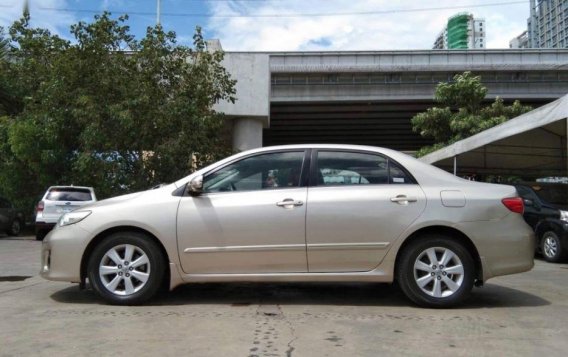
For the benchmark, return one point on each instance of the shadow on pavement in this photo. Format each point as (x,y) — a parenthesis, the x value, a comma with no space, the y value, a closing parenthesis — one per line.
(339,294)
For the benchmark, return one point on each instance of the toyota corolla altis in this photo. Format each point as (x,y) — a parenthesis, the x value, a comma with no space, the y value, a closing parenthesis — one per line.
(298,213)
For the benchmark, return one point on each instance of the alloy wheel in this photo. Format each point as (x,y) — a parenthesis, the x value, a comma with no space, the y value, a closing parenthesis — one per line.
(124,269)
(438,272)
(550,247)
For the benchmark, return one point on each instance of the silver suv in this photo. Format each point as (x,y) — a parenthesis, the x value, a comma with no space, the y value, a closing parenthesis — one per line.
(57,201)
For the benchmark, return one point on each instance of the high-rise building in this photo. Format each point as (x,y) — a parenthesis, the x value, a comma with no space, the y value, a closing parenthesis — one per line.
(462,32)
(547,26)
(521,41)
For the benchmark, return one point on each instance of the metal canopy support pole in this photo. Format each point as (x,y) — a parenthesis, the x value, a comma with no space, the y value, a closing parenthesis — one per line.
(455,165)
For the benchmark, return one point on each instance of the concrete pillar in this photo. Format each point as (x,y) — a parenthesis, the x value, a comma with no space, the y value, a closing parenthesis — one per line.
(247,133)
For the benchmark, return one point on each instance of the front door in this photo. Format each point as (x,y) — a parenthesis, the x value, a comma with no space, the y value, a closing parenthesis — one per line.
(250,218)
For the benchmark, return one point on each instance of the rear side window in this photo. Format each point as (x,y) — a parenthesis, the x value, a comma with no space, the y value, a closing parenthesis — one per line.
(354,168)
(69,194)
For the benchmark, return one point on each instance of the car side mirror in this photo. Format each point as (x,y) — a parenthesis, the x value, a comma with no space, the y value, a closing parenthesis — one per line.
(528,203)
(195,186)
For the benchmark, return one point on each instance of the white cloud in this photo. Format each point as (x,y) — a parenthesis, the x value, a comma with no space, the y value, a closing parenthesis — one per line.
(56,22)
(397,30)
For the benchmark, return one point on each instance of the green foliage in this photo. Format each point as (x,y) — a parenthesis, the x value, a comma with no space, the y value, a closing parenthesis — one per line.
(106,110)
(461,113)
(4,44)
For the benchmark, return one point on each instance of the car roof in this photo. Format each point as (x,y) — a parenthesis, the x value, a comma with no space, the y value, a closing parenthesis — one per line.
(73,187)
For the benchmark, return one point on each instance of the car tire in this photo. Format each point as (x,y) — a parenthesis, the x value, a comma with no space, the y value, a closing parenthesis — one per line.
(40,235)
(126,268)
(15,228)
(551,247)
(436,271)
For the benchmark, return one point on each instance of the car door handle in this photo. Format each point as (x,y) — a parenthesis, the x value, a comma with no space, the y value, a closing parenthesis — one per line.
(403,199)
(289,202)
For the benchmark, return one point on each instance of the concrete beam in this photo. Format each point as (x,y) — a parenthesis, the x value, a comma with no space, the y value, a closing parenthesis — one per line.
(420,60)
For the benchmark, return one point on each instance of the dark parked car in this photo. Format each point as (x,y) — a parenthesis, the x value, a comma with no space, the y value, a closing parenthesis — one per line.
(11,219)
(549,222)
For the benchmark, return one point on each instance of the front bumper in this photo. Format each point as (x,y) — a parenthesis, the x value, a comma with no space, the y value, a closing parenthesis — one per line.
(61,253)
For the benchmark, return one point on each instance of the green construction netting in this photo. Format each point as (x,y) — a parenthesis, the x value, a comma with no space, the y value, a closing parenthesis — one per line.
(457,31)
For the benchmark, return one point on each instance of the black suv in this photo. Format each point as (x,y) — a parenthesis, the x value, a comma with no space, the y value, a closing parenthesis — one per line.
(11,219)
(549,222)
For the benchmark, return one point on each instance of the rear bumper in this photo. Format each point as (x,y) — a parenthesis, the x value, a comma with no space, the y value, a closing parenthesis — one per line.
(43,226)
(505,246)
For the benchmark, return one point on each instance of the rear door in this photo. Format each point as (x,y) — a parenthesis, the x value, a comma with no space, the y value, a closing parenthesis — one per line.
(358,204)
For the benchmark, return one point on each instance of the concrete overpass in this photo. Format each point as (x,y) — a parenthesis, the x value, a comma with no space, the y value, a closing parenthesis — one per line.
(369,97)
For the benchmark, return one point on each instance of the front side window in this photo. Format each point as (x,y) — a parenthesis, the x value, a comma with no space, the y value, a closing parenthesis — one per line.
(260,172)
(353,168)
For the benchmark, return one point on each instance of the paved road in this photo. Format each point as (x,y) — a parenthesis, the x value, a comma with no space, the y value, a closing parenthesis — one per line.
(521,314)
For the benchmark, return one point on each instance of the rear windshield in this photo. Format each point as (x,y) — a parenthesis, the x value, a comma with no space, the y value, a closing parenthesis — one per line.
(69,194)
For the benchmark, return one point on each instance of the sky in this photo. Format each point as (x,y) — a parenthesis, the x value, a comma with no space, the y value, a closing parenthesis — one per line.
(288,25)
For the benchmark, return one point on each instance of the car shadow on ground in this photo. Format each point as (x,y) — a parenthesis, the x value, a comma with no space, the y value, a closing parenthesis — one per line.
(337,294)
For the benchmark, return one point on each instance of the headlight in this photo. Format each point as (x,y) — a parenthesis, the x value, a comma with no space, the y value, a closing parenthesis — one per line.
(72,218)
(564,216)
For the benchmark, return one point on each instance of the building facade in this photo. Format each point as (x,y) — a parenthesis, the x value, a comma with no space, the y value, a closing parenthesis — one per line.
(547,26)
(462,31)
(521,41)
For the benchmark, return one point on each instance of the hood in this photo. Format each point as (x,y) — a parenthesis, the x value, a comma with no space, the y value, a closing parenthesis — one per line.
(114,200)
(129,197)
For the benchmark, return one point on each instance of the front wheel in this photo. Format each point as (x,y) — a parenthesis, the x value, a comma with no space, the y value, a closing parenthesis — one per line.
(551,246)
(436,271)
(126,268)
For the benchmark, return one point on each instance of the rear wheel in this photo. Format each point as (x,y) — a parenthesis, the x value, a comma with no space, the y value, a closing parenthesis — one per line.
(15,228)
(551,247)
(40,234)
(436,271)
(126,268)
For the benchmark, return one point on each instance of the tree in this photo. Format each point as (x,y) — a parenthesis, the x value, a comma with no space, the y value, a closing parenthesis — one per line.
(6,100)
(3,44)
(461,112)
(108,111)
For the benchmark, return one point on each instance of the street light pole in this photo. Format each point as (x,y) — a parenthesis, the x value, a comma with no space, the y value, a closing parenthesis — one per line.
(158,5)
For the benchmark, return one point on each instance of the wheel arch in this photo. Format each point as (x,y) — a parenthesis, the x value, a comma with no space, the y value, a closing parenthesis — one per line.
(547,225)
(449,232)
(102,235)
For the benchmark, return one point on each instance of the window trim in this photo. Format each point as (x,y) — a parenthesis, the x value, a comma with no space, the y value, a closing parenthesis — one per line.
(314,167)
(303,170)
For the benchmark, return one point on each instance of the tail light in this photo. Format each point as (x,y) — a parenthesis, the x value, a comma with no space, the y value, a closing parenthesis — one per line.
(39,207)
(514,204)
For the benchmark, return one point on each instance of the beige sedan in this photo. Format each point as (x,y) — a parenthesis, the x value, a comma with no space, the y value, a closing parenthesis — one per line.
(298,213)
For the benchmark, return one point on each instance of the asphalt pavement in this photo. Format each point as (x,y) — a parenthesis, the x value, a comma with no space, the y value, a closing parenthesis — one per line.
(517,315)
